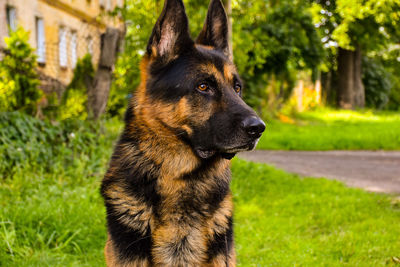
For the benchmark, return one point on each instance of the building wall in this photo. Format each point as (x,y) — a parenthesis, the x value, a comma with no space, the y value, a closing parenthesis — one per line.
(3,22)
(84,17)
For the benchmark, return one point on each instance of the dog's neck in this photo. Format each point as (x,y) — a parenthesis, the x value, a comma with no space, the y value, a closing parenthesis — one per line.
(161,145)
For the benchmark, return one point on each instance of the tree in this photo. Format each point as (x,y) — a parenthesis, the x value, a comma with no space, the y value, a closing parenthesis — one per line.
(99,88)
(357,27)
(273,40)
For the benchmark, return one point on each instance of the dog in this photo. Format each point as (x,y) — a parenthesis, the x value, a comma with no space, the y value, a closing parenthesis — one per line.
(167,191)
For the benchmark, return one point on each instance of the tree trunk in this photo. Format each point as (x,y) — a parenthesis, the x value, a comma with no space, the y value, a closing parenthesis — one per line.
(351,93)
(346,78)
(327,91)
(359,90)
(99,88)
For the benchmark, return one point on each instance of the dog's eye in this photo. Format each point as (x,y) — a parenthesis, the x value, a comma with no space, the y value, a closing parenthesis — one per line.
(203,87)
(238,88)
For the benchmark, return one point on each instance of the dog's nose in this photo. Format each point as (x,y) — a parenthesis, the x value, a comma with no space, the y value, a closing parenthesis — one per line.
(254,126)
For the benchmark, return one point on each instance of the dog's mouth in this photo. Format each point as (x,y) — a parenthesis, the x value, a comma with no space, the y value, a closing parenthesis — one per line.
(226,153)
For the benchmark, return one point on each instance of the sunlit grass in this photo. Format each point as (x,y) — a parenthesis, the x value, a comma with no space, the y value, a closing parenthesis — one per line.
(331,115)
(285,220)
(334,130)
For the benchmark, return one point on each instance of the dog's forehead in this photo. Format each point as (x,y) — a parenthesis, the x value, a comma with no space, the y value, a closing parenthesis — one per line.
(214,61)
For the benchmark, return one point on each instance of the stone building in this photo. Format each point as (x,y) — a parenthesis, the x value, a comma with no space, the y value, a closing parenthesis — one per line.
(61,31)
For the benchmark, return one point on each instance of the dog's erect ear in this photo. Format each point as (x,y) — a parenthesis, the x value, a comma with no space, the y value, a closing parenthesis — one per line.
(215,30)
(170,35)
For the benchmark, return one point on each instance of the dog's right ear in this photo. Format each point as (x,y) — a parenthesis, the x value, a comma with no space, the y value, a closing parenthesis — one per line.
(170,35)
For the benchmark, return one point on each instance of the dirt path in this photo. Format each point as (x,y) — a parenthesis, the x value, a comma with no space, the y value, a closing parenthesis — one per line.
(375,171)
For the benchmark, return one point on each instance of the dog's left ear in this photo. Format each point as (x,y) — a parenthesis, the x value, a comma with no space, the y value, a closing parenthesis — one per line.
(170,36)
(215,30)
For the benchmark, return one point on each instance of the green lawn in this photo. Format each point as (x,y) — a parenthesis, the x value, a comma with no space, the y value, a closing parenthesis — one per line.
(55,216)
(286,220)
(334,130)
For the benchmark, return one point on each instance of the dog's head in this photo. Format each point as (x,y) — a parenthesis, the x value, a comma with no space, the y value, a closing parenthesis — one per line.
(193,88)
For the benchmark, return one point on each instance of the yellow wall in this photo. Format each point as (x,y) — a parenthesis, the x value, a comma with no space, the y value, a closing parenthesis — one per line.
(3,23)
(85,17)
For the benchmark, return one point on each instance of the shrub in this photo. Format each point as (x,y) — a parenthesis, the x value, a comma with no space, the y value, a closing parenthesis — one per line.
(31,144)
(74,101)
(377,82)
(19,80)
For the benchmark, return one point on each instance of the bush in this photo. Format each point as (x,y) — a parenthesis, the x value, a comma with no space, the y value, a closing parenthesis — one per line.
(377,82)
(31,144)
(7,91)
(394,97)
(74,101)
(19,80)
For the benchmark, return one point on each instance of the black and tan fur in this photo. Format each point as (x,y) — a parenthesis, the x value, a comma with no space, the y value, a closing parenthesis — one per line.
(167,187)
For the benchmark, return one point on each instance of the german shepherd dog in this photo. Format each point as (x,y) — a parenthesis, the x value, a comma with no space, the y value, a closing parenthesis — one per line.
(167,187)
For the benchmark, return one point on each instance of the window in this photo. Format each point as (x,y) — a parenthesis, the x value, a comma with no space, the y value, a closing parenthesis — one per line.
(72,47)
(89,45)
(12,18)
(62,47)
(109,5)
(40,41)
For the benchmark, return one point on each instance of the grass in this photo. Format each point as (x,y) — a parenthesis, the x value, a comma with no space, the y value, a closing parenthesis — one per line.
(334,130)
(56,217)
(286,220)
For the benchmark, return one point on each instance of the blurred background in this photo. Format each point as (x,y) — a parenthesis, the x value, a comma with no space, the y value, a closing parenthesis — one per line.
(325,76)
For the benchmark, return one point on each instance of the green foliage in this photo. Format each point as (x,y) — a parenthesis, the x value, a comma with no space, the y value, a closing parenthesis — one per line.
(394,97)
(19,80)
(74,101)
(7,90)
(391,62)
(377,83)
(275,38)
(334,130)
(30,144)
(127,74)
(272,42)
(83,73)
(268,38)
(372,24)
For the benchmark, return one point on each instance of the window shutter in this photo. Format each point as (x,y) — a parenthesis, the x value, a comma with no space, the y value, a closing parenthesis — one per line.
(62,47)
(90,45)
(41,41)
(109,5)
(12,18)
(73,46)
